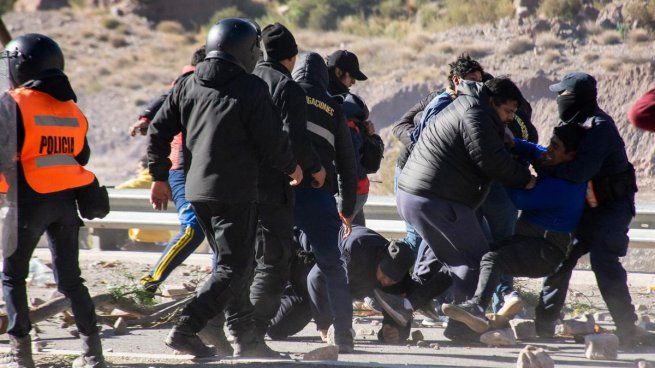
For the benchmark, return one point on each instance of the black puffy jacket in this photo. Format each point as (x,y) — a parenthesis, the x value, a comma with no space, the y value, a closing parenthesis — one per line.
(329,131)
(459,154)
(289,98)
(230,128)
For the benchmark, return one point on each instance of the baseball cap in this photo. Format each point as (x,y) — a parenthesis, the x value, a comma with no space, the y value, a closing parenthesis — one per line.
(348,62)
(576,82)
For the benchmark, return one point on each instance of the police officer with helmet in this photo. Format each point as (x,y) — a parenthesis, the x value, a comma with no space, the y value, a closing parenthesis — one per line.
(45,173)
(230,127)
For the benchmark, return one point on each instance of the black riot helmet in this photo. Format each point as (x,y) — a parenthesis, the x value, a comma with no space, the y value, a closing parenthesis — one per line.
(353,107)
(235,40)
(33,56)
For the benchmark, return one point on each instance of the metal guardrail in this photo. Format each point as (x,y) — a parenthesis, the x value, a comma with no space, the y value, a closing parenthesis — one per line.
(131,209)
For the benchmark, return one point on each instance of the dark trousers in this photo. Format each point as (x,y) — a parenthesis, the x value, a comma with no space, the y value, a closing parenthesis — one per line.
(500,215)
(453,232)
(315,215)
(185,242)
(603,234)
(531,252)
(273,253)
(230,229)
(294,314)
(59,221)
(430,280)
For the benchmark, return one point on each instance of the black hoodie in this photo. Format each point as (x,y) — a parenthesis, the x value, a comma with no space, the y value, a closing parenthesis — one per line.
(289,99)
(328,130)
(230,128)
(57,86)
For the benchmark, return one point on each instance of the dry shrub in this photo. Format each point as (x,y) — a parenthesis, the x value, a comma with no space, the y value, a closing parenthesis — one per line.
(610,65)
(458,12)
(549,41)
(476,50)
(552,56)
(444,48)
(103,38)
(609,38)
(565,9)
(590,57)
(110,23)
(592,28)
(118,42)
(637,36)
(418,41)
(641,11)
(170,26)
(87,34)
(519,46)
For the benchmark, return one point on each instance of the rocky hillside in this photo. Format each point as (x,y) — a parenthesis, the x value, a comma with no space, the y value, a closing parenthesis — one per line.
(118,60)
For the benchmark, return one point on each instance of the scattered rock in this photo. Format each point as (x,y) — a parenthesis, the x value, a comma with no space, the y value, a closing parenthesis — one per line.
(534,357)
(524,329)
(175,292)
(644,364)
(35,302)
(422,344)
(610,16)
(578,327)
(109,350)
(601,346)
(329,352)
(366,332)
(435,346)
(417,335)
(120,326)
(504,337)
(602,316)
(73,331)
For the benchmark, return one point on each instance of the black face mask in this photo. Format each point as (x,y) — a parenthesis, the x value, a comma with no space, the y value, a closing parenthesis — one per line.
(574,108)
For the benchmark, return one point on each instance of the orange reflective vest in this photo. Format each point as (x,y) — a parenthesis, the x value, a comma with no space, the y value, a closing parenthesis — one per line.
(4,186)
(54,135)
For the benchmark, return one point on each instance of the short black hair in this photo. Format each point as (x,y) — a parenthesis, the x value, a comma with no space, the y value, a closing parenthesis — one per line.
(570,135)
(198,55)
(462,66)
(502,90)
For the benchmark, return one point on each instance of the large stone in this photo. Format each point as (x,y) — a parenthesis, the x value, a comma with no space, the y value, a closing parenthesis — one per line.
(576,327)
(504,337)
(524,329)
(329,352)
(120,326)
(601,346)
(610,16)
(417,336)
(534,357)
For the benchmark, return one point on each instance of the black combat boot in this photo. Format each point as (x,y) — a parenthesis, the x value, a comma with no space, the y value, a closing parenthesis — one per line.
(91,353)
(184,340)
(214,334)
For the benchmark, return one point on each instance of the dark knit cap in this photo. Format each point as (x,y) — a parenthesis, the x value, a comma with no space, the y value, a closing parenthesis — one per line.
(279,43)
(397,260)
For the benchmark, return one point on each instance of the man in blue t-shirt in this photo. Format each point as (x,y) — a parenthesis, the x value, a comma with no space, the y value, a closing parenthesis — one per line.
(544,232)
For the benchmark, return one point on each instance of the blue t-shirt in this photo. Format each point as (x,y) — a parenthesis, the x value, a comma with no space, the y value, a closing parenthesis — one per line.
(433,108)
(554,204)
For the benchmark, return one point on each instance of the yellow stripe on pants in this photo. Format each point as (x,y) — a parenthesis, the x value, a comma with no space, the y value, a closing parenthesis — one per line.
(173,252)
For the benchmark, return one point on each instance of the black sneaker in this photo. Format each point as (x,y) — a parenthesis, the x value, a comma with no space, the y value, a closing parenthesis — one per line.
(395,306)
(255,349)
(430,311)
(468,313)
(182,339)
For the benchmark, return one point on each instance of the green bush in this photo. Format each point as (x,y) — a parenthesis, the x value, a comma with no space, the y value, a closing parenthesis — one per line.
(564,9)
(313,14)
(111,23)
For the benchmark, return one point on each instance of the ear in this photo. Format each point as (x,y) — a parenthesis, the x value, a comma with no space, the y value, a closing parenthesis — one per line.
(338,72)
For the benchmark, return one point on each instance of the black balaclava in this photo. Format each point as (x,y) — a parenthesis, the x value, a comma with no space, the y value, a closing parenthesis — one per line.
(576,108)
